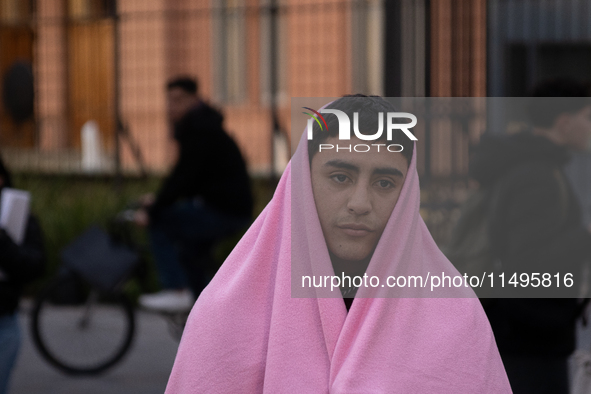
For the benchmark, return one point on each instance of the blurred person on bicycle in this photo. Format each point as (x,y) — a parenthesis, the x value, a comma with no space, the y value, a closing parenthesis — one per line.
(206,196)
(19,264)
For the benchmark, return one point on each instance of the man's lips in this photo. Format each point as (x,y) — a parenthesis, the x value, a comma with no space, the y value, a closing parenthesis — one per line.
(355,230)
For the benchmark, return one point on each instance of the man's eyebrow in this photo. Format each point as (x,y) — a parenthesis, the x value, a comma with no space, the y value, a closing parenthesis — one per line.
(342,164)
(378,171)
(388,171)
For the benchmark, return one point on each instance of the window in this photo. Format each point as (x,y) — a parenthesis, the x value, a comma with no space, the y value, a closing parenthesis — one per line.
(367,39)
(229,45)
(91,68)
(16,45)
(281,49)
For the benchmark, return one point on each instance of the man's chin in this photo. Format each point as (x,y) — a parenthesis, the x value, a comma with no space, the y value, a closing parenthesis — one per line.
(351,256)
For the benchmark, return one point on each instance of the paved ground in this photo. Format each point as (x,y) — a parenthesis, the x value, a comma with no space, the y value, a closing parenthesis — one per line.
(144,370)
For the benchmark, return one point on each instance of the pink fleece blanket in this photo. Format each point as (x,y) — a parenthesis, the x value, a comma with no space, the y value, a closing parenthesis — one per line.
(246,334)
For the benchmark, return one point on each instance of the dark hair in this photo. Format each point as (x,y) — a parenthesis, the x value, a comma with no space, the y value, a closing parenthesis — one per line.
(564,96)
(187,84)
(5,174)
(368,108)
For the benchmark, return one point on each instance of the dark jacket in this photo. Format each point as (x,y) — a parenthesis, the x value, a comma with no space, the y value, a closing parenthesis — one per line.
(532,227)
(209,166)
(20,264)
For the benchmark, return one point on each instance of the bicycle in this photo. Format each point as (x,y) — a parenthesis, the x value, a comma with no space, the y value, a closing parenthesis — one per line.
(90,309)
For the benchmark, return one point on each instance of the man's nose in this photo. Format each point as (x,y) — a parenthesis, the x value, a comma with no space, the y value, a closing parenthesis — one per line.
(359,201)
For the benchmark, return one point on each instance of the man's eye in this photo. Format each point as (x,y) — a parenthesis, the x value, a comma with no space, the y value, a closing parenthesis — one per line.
(384,184)
(340,178)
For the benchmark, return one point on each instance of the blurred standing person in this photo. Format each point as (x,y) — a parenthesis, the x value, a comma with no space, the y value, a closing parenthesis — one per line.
(536,222)
(206,196)
(19,264)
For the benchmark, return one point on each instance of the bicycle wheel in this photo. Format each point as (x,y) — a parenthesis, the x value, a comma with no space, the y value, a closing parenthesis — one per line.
(85,334)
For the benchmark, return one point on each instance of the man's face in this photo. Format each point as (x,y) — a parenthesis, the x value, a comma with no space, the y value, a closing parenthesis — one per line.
(355,194)
(179,102)
(576,129)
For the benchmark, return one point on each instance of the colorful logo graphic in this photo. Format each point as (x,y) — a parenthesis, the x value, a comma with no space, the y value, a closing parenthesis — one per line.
(315,118)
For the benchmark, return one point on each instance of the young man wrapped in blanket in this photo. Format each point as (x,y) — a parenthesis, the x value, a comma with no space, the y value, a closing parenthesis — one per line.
(259,328)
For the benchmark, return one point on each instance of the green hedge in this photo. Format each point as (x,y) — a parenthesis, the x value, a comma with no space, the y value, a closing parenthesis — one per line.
(67,205)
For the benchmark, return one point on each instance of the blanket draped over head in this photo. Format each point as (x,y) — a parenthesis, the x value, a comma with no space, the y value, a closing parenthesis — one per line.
(246,334)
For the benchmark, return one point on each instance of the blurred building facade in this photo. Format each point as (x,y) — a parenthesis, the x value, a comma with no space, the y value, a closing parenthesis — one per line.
(109,61)
(106,60)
